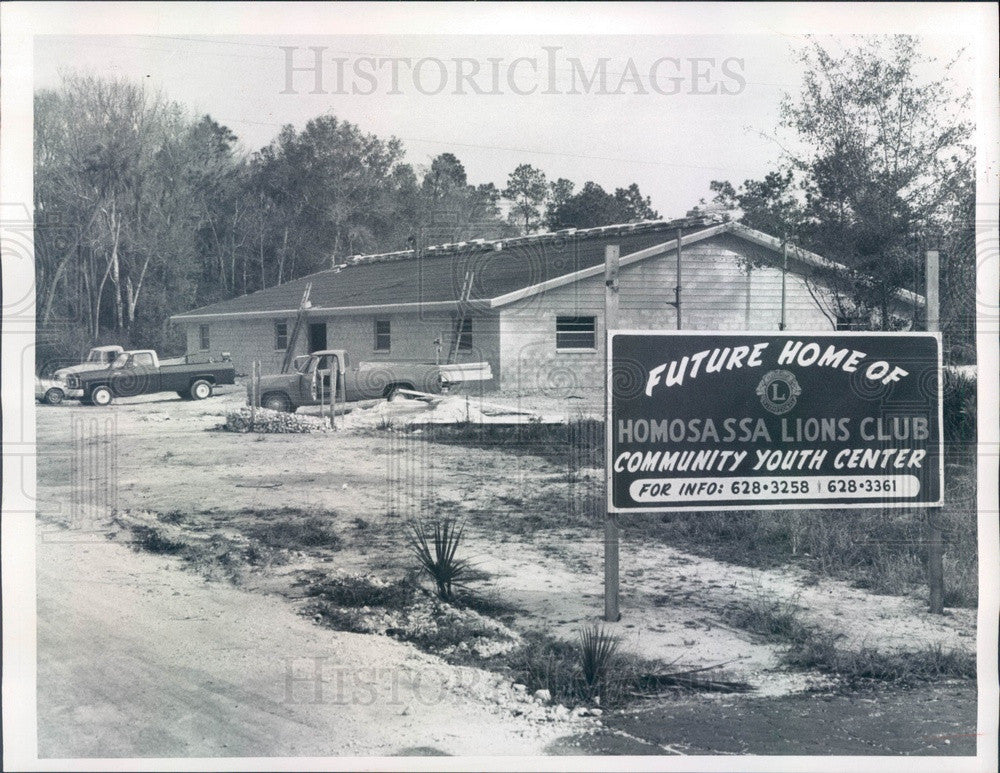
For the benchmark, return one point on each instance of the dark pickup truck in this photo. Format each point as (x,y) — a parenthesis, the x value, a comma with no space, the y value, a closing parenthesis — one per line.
(140,372)
(310,382)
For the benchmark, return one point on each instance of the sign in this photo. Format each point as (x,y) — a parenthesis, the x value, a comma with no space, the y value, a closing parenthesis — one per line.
(738,421)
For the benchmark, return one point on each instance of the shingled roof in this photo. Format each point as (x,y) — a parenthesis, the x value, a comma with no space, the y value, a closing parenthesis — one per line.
(503,270)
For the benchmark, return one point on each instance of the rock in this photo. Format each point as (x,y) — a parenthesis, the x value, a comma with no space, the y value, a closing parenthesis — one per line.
(595,712)
(520,688)
(561,711)
(543,695)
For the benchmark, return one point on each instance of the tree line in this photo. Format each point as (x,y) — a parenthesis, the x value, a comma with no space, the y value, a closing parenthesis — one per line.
(142,210)
(878,168)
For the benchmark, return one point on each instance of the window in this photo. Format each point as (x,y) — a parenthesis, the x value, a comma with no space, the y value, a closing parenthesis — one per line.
(280,334)
(463,331)
(203,337)
(576,333)
(383,337)
(142,360)
(848,323)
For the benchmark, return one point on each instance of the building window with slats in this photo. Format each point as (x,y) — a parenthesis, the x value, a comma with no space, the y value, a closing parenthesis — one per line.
(203,340)
(383,338)
(463,329)
(280,334)
(576,333)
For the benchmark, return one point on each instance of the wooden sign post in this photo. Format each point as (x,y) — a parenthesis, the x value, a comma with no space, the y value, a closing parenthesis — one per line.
(611,536)
(935,541)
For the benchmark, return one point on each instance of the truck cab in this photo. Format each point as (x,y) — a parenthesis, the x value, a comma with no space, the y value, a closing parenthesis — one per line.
(136,359)
(330,373)
(98,358)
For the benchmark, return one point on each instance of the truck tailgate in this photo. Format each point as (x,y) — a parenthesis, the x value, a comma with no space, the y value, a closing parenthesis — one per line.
(467,371)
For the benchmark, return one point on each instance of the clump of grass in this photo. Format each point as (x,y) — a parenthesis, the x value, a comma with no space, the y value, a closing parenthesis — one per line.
(812,648)
(311,531)
(152,540)
(364,592)
(903,667)
(437,554)
(594,670)
(549,664)
(770,618)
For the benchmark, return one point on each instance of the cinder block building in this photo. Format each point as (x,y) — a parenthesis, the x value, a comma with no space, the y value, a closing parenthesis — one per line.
(533,307)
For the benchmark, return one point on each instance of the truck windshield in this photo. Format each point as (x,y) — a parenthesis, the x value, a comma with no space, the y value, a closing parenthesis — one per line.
(120,361)
(301,364)
(97,356)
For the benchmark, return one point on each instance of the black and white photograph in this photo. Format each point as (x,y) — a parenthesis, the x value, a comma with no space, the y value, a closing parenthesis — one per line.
(500,386)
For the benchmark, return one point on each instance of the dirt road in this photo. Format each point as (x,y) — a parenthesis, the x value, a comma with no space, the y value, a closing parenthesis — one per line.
(137,657)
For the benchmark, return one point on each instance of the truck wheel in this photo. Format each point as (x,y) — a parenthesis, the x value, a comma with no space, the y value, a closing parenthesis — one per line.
(201,389)
(100,396)
(54,396)
(275,401)
(392,393)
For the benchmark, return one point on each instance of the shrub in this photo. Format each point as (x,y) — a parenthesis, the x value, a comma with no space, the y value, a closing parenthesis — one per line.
(959,408)
(598,651)
(440,563)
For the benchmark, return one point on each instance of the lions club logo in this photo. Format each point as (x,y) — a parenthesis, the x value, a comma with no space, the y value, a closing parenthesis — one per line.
(779,391)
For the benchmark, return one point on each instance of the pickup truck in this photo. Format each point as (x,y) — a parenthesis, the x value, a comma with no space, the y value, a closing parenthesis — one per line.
(98,358)
(311,380)
(140,372)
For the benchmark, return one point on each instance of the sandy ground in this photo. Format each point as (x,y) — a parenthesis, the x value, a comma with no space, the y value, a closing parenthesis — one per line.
(139,658)
(157,453)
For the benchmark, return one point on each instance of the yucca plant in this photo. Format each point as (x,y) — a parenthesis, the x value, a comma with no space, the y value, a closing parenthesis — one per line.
(598,649)
(436,554)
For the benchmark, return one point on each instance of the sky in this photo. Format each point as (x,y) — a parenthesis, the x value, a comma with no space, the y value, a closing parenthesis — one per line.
(672,113)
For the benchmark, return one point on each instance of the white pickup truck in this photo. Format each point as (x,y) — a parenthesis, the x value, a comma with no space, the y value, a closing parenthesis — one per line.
(56,389)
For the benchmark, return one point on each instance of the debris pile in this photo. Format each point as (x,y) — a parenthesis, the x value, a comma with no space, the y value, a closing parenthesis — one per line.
(274,422)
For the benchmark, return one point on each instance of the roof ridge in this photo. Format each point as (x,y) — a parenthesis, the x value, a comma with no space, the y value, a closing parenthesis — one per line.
(485,245)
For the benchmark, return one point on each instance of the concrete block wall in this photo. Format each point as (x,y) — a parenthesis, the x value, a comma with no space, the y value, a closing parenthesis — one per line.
(412,338)
(717,294)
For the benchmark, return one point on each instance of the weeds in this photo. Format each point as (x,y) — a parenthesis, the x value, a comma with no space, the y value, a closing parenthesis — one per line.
(312,531)
(773,619)
(150,539)
(594,671)
(904,667)
(353,591)
(880,550)
(437,554)
(811,648)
